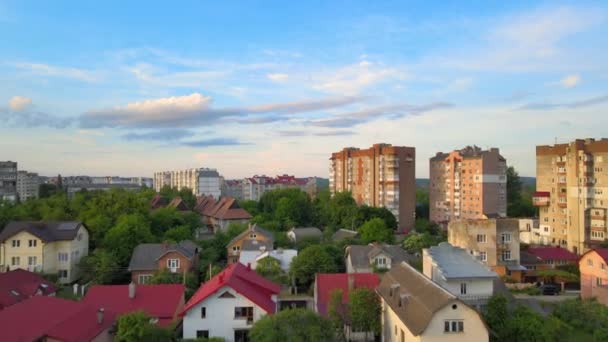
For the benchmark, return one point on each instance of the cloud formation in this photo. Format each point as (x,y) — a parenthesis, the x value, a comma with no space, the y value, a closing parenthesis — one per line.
(19,103)
(570,81)
(352,79)
(278,77)
(21,113)
(303,133)
(57,71)
(213,142)
(158,135)
(572,105)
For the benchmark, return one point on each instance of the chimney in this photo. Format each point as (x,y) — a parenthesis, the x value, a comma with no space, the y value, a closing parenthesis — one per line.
(351,281)
(248,266)
(100,314)
(132,288)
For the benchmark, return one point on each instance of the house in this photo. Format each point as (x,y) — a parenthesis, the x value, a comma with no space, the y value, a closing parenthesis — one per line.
(553,256)
(594,275)
(19,285)
(531,233)
(42,318)
(178,203)
(305,233)
(414,308)
(282,256)
(218,215)
(158,202)
(162,303)
(343,234)
(326,283)
(229,304)
(253,238)
(45,247)
(147,258)
(494,241)
(364,259)
(532,263)
(460,273)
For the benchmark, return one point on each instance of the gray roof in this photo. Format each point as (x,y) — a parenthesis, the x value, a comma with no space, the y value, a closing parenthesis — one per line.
(361,255)
(307,232)
(145,256)
(254,228)
(344,234)
(455,262)
(255,245)
(46,231)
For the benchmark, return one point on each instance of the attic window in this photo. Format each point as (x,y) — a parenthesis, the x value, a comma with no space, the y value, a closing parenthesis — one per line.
(403,300)
(226,295)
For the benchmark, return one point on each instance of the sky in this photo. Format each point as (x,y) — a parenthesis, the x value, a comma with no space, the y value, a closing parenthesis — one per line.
(271,87)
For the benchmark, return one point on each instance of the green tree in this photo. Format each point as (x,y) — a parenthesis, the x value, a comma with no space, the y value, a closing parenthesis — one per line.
(422,204)
(100,267)
(375,230)
(188,197)
(497,313)
(132,327)
(130,231)
(177,234)
(295,325)
(336,312)
(163,219)
(311,260)
(364,310)
(519,203)
(270,268)
(415,242)
(366,213)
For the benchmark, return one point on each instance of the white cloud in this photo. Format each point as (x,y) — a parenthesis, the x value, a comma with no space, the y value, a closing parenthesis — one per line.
(19,103)
(352,79)
(56,71)
(278,77)
(570,81)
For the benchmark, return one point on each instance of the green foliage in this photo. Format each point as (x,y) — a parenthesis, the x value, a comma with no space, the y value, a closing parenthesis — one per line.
(177,234)
(375,230)
(250,206)
(136,326)
(366,213)
(270,268)
(336,312)
(415,242)
(130,231)
(295,325)
(100,267)
(163,219)
(557,275)
(588,315)
(47,190)
(496,313)
(311,260)
(422,204)
(289,207)
(364,310)
(519,202)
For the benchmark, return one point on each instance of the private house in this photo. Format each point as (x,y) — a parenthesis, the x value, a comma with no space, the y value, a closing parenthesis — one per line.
(158,202)
(252,239)
(178,203)
(19,285)
(304,233)
(45,247)
(147,258)
(218,215)
(325,284)
(594,275)
(282,256)
(460,273)
(52,319)
(229,304)
(344,234)
(162,303)
(365,259)
(551,257)
(414,308)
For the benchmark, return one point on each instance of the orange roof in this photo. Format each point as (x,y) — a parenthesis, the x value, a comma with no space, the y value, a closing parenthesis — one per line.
(226,208)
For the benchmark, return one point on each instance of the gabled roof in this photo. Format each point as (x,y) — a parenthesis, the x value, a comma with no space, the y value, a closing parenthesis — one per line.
(256,245)
(360,255)
(243,280)
(253,228)
(19,285)
(283,256)
(527,259)
(602,252)
(178,204)
(62,319)
(456,263)
(307,232)
(145,256)
(226,208)
(160,301)
(341,234)
(326,283)
(552,253)
(157,202)
(45,231)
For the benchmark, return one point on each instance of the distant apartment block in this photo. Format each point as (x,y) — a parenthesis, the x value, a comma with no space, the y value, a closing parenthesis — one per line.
(531,233)
(28,185)
(252,188)
(8,181)
(572,193)
(380,176)
(202,181)
(495,242)
(468,184)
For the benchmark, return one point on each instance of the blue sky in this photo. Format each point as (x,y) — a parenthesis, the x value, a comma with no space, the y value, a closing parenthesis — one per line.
(250,87)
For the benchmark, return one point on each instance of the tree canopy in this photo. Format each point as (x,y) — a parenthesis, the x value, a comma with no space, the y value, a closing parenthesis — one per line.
(315,259)
(294,325)
(375,230)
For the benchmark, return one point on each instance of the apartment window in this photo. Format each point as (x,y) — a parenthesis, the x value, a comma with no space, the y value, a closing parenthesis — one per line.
(144,278)
(506,255)
(203,312)
(15,261)
(202,334)
(173,263)
(483,256)
(62,257)
(242,312)
(481,238)
(453,326)
(598,281)
(32,243)
(505,237)
(31,261)
(463,288)
(16,243)
(62,273)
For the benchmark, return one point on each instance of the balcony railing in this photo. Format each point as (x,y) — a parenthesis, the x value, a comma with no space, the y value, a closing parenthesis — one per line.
(473,297)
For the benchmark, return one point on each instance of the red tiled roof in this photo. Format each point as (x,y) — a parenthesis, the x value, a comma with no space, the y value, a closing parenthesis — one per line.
(160,301)
(552,253)
(244,281)
(41,316)
(328,282)
(226,208)
(157,202)
(19,285)
(178,204)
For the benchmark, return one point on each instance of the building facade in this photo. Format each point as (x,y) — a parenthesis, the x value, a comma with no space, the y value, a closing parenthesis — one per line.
(572,193)
(8,181)
(28,185)
(530,232)
(381,176)
(469,183)
(202,181)
(594,275)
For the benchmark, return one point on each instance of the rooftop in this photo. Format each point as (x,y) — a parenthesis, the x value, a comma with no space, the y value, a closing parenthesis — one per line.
(19,285)
(552,253)
(455,262)
(46,231)
(326,283)
(145,256)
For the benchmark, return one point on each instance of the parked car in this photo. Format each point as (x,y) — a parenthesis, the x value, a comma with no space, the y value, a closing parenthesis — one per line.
(549,289)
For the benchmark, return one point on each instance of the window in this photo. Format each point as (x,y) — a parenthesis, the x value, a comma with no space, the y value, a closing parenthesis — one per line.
(505,237)
(31,261)
(173,263)
(32,243)
(453,326)
(380,261)
(589,262)
(16,243)
(598,281)
(203,312)
(62,273)
(236,248)
(15,261)
(62,257)
(463,288)
(506,255)
(481,238)
(144,278)
(202,334)
(253,236)
(226,295)
(242,312)
(483,256)
(603,266)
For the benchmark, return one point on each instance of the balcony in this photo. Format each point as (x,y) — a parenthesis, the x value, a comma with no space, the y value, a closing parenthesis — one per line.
(473,299)
(541,198)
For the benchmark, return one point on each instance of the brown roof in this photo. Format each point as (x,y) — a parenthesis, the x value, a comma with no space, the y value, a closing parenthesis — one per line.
(178,204)
(157,202)
(420,297)
(226,208)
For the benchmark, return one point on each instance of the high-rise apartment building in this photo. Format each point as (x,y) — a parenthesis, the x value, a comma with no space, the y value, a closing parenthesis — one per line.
(8,181)
(381,176)
(467,184)
(202,181)
(572,193)
(28,185)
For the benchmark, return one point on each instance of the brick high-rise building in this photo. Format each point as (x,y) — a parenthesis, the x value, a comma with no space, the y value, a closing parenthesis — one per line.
(381,176)
(467,184)
(572,193)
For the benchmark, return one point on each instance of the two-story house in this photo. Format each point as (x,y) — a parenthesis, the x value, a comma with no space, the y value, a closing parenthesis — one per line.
(364,259)
(148,258)
(414,308)
(460,273)
(216,216)
(46,247)
(229,304)
(594,275)
(253,238)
